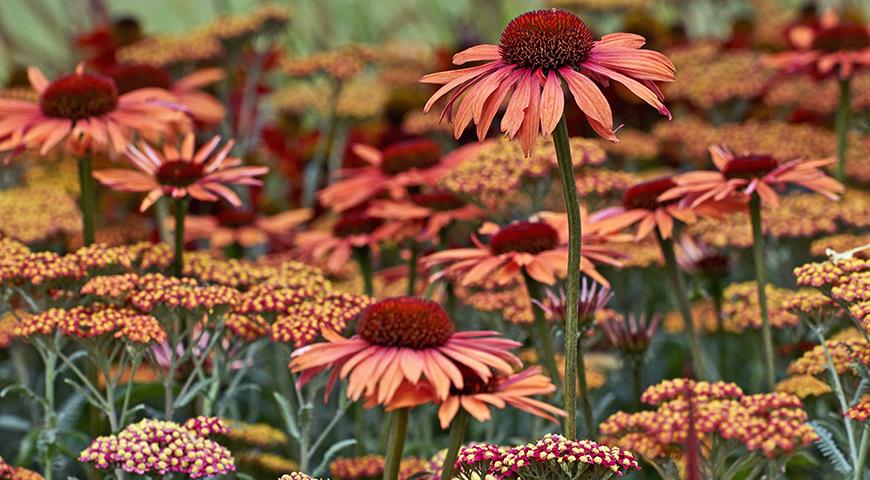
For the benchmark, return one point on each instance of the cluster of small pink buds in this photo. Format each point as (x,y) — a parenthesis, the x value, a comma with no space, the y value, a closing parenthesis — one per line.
(160,447)
(554,456)
(206,426)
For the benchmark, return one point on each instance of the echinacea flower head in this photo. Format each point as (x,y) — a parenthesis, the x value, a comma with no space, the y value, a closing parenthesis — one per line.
(833,46)
(631,334)
(404,339)
(537,51)
(593,298)
(86,109)
(743,175)
(698,258)
(409,163)
(180,173)
(174,449)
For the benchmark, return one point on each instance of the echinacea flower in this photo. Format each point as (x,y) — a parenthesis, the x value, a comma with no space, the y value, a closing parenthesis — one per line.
(536,52)
(85,108)
(593,298)
(743,175)
(201,174)
(430,212)
(536,247)
(831,46)
(631,334)
(476,396)
(243,227)
(185,91)
(334,247)
(404,339)
(392,170)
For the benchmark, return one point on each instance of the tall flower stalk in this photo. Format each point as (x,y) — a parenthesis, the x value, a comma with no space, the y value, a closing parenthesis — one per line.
(396,444)
(87,189)
(841,125)
(761,283)
(180,213)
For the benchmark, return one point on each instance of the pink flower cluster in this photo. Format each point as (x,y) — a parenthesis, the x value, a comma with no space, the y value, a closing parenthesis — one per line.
(160,447)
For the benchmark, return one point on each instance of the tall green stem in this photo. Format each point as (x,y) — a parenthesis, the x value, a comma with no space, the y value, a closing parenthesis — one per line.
(862,456)
(50,418)
(412,269)
(161,214)
(575,235)
(180,212)
(585,404)
(844,110)
(676,279)
(88,195)
(761,282)
(363,256)
(396,445)
(457,436)
(546,353)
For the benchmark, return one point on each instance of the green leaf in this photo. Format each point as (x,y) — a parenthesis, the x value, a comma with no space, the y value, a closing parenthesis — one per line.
(287,415)
(27,447)
(334,449)
(14,423)
(830,450)
(190,394)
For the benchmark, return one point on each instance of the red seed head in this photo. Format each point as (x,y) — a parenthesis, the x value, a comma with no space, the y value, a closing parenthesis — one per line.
(79,96)
(405,322)
(403,156)
(439,201)
(750,166)
(233,218)
(546,39)
(355,222)
(472,384)
(645,195)
(529,237)
(842,38)
(179,173)
(131,77)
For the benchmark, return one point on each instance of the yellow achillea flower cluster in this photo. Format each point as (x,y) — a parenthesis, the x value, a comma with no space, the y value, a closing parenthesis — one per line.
(372,466)
(303,322)
(703,314)
(7,330)
(268,461)
(633,145)
(803,386)
(845,349)
(860,411)
(10,472)
(511,301)
(36,213)
(256,434)
(818,95)
(340,64)
(772,423)
(827,274)
(156,447)
(741,309)
(645,253)
(841,243)
(93,321)
(245,274)
(496,170)
(709,78)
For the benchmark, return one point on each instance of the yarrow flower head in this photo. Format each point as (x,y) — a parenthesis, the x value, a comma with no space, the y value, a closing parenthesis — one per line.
(860,411)
(537,51)
(202,174)
(157,447)
(405,339)
(554,456)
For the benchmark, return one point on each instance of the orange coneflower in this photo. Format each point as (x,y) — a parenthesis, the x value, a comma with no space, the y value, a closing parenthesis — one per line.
(429,212)
(405,339)
(243,227)
(477,396)
(392,170)
(86,109)
(742,175)
(536,52)
(201,174)
(537,247)
(831,46)
(202,106)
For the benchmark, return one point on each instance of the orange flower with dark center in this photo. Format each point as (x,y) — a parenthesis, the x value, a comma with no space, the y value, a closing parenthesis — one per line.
(842,37)
(405,322)
(830,47)
(645,195)
(537,52)
(439,201)
(129,77)
(405,341)
(529,237)
(355,223)
(749,166)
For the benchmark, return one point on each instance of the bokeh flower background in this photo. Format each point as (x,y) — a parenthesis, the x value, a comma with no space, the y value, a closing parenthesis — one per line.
(408,239)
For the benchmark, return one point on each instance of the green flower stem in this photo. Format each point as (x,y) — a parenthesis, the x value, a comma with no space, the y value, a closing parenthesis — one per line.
(412,269)
(862,457)
(844,110)
(676,279)
(840,393)
(88,195)
(585,403)
(544,342)
(363,256)
(761,282)
(161,214)
(180,212)
(457,436)
(575,235)
(396,445)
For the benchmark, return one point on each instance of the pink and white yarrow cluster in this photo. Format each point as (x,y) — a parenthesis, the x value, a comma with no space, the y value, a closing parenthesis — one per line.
(553,456)
(161,447)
